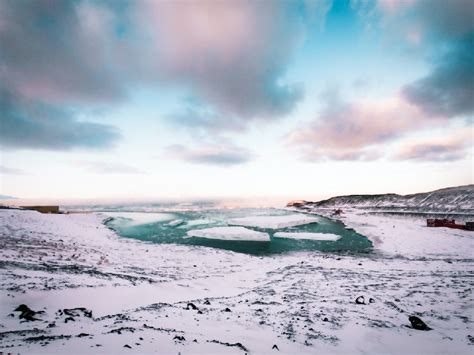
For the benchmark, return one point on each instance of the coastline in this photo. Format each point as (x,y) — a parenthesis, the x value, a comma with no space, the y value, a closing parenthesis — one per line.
(412,239)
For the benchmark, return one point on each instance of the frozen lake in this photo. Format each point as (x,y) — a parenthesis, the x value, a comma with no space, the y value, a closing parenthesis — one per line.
(277,231)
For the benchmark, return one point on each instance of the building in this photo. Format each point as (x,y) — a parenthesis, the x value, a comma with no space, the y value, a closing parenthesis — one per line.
(43,209)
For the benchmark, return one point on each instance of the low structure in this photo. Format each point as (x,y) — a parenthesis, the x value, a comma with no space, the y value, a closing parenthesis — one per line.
(449,223)
(43,209)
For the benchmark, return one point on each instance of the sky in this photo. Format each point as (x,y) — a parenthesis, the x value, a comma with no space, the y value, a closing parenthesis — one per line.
(182,99)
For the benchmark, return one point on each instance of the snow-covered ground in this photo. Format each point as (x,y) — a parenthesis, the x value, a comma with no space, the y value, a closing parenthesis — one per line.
(407,235)
(98,292)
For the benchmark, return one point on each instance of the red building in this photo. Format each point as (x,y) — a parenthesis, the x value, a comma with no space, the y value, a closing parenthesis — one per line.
(449,223)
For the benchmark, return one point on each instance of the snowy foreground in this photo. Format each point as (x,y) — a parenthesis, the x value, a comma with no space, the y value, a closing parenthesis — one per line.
(91,291)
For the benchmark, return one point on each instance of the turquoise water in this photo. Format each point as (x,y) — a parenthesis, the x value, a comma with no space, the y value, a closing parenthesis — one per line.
(154,227)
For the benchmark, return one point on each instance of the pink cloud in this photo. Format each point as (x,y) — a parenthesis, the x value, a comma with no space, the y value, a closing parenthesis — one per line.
(457,146)
(349,131)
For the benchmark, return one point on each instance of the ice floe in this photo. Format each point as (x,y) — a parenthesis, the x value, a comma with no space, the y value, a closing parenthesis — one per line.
(197,222)
(273,222)
(308,236)
(137,218)
(230,233)
(175,222)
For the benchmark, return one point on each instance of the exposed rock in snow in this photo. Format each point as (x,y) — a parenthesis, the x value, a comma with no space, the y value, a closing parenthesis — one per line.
(417,323)
(308,236)
(230,233)
(274,222)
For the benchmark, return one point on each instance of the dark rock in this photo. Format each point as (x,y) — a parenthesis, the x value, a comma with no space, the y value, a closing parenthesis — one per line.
(179,338)
(22,308)
(227,310)
(325,319)
(199,312)
(195,341)
(52,325)
(27,313)
(69,319)
(360,300)
(206,302)
(417,323)
(275,347)
(394,306)
(238,345)
(127,346)
(191,306)
(46,338)
(77,312)
(371,300)
(122,329)
(83,335)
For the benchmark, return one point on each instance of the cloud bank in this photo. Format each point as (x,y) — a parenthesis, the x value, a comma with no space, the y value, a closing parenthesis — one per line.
(445,31)
(452,148)
(359,130)
(349,130)
(105,167)
(25,123)
(11,171)
(222,155)
(230,55)
(447,91)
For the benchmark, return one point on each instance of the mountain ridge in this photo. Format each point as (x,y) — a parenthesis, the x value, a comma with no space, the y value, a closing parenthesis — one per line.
(449,199)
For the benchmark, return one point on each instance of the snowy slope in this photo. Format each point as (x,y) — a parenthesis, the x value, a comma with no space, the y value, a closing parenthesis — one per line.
(453,199)
(94,292)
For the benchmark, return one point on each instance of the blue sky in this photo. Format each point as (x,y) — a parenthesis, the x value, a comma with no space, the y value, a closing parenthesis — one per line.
(191,99)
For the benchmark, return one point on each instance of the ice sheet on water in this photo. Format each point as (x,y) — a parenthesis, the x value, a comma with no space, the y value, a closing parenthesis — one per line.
(137,218)
(196,222)
(230,233)
(175,222)
(273,222)
(307,236)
